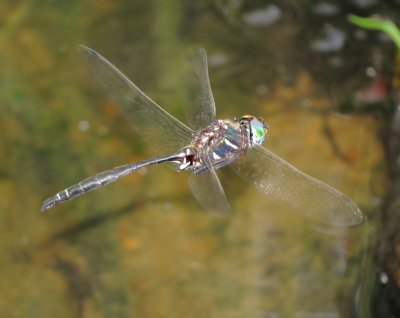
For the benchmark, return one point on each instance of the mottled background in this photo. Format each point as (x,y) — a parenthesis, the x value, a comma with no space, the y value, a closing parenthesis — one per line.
(143,247)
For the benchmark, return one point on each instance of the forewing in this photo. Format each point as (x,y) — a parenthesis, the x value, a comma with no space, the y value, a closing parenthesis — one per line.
(207,189)
(307,195)
(202,107)
(147,118)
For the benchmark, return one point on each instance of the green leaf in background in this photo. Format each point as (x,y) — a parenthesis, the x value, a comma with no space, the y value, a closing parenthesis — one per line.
(385,26)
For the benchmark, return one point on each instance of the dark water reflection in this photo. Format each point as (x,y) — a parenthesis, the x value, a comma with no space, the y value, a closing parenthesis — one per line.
(143,247)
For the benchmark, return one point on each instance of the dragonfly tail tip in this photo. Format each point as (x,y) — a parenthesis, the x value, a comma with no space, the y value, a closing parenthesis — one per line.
(47,204)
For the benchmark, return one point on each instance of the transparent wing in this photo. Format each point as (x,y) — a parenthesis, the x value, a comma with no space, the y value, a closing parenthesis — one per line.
(147,118)
(202,107)
(311,197)
(207,189)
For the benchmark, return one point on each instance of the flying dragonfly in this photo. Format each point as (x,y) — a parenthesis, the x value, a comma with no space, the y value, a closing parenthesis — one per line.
(208,145)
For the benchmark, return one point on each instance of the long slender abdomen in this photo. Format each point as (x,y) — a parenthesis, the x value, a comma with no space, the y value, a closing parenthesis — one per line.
(103,179)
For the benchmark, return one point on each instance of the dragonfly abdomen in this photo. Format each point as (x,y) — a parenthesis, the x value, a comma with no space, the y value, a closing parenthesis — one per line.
(107,177)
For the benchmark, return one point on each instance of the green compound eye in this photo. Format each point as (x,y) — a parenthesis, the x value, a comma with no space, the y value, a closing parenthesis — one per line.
(258,131)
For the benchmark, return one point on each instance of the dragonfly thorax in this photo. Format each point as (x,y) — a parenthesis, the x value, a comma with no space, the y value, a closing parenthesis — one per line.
(218,144)
(210,136)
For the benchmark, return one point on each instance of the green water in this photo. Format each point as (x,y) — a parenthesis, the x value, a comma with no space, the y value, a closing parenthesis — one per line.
(143,247)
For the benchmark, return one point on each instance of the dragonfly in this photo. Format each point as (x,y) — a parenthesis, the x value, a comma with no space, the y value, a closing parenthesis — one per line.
(207,145)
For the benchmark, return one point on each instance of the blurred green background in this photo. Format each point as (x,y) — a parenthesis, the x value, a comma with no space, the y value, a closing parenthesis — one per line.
(143,247)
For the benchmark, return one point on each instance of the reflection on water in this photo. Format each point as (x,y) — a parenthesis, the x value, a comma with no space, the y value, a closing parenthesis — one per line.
(143,247)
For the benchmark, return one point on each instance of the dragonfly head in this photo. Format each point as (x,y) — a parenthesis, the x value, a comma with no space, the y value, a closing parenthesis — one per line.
(256,129)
